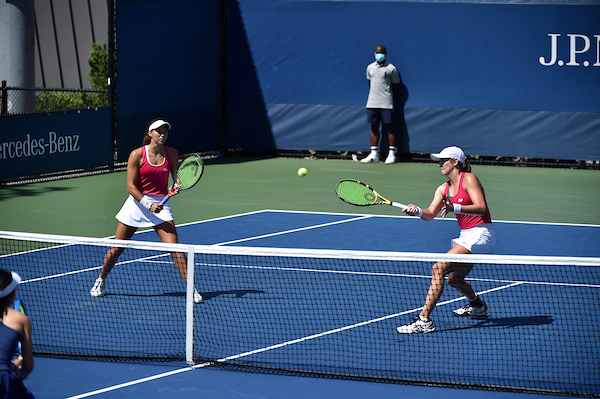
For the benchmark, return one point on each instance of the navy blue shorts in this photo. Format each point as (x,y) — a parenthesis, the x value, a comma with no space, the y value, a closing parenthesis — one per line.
(376,115)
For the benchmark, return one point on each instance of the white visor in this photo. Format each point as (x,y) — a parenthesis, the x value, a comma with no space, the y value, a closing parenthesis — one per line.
(157,124)
(16,280)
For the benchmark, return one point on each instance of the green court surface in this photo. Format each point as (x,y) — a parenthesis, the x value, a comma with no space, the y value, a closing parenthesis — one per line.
(232,185)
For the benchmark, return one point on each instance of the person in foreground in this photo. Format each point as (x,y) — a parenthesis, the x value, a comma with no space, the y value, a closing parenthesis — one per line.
(463,195)
(148,170)
(15,328)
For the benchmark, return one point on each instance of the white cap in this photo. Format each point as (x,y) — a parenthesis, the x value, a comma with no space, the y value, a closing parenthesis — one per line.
(157,124)
(16,280)
(450,153)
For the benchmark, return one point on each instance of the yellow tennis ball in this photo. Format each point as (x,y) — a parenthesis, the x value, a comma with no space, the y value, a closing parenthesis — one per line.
(302,172)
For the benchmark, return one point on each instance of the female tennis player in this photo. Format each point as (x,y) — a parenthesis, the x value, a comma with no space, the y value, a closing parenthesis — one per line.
(148,170)
(463,195)
(15,327)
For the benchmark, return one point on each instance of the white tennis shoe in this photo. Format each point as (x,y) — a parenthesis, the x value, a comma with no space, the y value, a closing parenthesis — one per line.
(372,158)
(391,158)
(98,288)
(417,326)
(469,310)
(197,297)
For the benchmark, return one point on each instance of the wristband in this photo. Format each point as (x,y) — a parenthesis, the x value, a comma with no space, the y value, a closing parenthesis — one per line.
(420,212)
(146,203)
(457,209)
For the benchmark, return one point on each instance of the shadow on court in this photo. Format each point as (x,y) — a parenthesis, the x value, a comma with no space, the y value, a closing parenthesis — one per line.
(205,295)
(509,322)
(29,191)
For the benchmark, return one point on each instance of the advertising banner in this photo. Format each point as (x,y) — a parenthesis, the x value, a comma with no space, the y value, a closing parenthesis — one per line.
(32,145)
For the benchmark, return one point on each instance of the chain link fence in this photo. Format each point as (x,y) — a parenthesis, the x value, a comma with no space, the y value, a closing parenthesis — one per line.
(22,101)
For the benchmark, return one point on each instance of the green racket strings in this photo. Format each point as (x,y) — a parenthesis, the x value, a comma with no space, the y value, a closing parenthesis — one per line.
(355,193)
(188,173)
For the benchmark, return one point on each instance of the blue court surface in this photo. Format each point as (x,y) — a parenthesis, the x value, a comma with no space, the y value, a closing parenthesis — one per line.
(58,378)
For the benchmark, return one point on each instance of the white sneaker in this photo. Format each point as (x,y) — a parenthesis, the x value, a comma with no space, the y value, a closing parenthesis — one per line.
(391,158)
(417,326)
(470,310)
(372,158)
(197,297)
(98,288)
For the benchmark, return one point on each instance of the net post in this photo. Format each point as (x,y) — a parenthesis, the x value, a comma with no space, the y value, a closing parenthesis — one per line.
(189,307)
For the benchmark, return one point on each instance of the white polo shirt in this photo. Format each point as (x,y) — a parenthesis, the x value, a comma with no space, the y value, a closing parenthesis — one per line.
(382,76)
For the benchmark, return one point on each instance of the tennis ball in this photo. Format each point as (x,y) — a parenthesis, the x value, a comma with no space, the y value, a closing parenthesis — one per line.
(302,172)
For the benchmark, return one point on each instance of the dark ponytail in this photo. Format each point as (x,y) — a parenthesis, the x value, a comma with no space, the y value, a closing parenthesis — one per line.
(466,167)
(5,280)
(147,138)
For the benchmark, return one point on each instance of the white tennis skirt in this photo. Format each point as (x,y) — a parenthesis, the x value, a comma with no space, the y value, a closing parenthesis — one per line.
(135,215)
(480,239)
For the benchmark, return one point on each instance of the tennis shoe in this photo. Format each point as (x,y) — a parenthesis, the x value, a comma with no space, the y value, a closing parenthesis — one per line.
(372,158)
(417,326)
(391,158)
(98,288)
(197,297)
(471,311)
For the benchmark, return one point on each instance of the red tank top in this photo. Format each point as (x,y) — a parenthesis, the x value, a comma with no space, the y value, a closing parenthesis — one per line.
(154,179)
(463,198)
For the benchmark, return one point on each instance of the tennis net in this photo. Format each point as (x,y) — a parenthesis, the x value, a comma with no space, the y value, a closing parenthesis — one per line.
(314,312)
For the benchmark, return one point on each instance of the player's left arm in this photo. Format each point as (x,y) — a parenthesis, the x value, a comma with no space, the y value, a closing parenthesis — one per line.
(21,323)
(26,348)
(473,187)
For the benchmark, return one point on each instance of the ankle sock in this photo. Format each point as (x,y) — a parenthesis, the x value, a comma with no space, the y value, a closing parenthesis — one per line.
(476,302)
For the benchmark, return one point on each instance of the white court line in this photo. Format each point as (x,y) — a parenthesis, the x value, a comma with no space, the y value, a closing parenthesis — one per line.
(277,346)
(380,216)
(384,274)
(315,226)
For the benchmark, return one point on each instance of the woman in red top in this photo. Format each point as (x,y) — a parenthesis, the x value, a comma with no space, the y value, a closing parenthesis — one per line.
(463,195)
(148,170)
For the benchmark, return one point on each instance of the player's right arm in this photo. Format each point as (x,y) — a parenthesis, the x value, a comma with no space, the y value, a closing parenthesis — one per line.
(434,208)
(133,170)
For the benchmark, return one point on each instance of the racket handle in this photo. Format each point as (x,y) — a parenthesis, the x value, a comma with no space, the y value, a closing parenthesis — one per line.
(399,205)
(165,199)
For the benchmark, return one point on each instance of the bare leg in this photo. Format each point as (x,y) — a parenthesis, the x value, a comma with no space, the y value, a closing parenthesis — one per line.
(374,134)
(392,134)
(168,234)
(457,272)
(110,259)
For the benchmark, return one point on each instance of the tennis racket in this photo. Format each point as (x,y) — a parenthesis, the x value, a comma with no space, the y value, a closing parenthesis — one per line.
(358,193)
(188,174)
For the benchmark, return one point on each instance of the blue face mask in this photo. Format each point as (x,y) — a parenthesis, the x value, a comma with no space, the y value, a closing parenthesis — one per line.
(380,57)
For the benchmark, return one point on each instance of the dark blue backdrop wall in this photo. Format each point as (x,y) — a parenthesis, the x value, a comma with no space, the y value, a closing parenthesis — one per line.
(168,58)
(517,80)
(514,80)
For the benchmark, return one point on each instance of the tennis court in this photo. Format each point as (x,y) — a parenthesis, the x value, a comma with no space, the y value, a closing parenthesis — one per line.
(511,326)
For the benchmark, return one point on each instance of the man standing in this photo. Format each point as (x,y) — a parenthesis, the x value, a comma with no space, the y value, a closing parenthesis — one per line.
(384,80)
